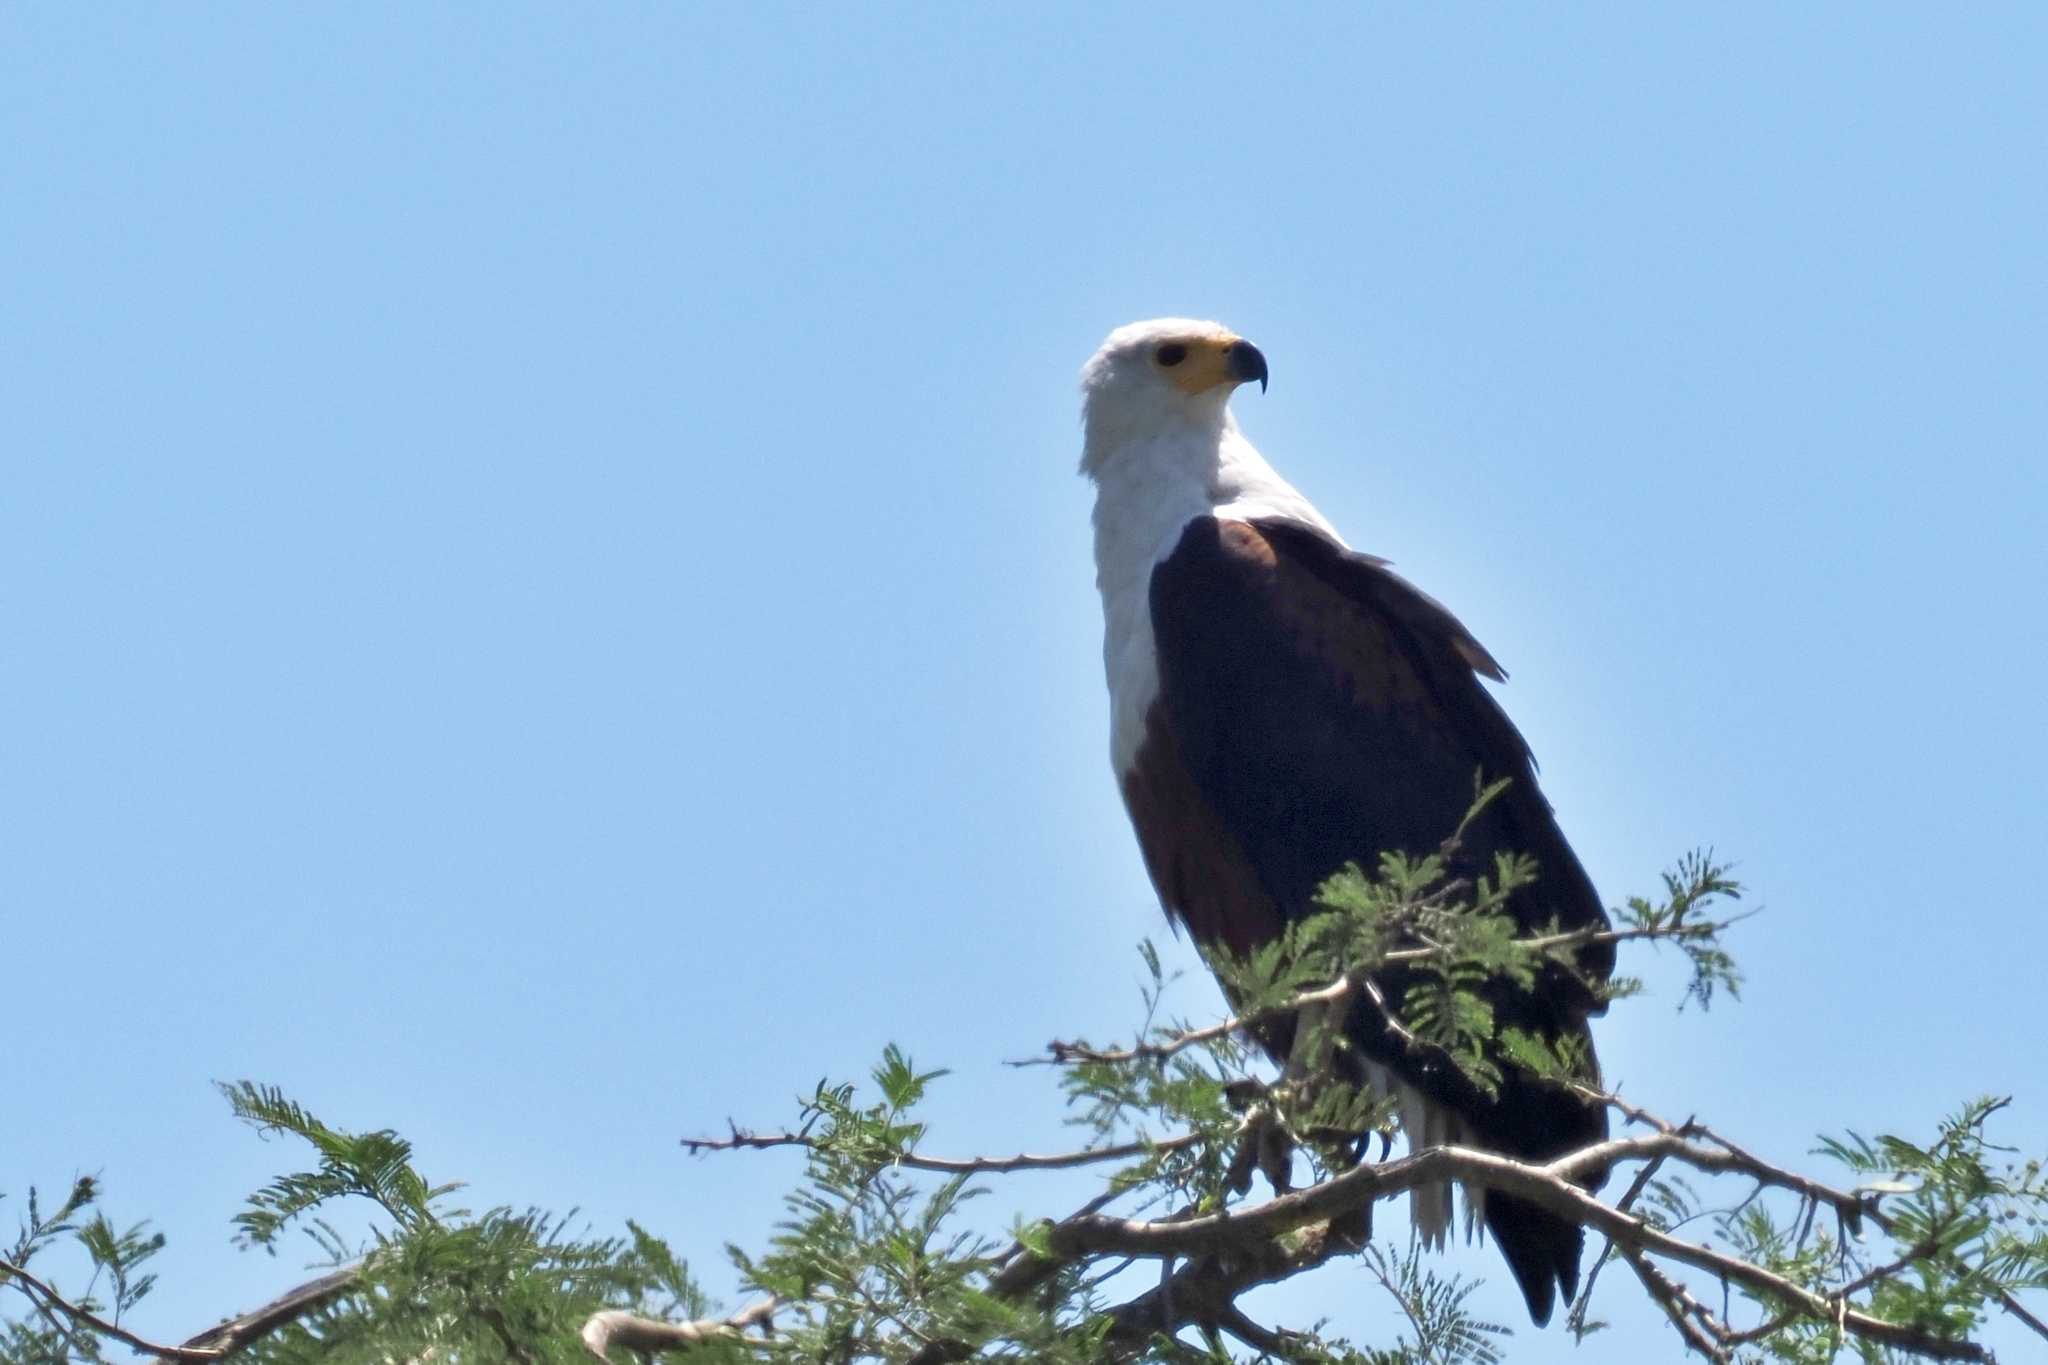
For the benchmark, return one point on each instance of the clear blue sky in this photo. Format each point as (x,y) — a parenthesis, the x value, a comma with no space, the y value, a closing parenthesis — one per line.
(547,601)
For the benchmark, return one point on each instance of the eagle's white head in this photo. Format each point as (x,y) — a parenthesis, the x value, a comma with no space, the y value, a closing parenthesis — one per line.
(1165,377)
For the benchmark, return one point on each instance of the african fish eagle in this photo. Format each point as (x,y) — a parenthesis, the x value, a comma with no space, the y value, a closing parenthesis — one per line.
(1281,705)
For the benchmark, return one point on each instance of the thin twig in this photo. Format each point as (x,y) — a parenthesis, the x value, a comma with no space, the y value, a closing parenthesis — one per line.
(2014,1307)
(44,1294)
(1022,1161)
(1731,1159)
(1577,1317)
(1586,938)
(1063,1053)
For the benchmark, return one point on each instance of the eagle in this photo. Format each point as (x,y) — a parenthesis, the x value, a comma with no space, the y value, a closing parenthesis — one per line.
(1282,705)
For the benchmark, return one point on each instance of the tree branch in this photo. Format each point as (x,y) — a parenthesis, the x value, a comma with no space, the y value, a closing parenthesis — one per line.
(236,1333)
(1695,1325)
(1245,1232)
(993,1165)
(44,1296)
(1063,1053)
(647,1335)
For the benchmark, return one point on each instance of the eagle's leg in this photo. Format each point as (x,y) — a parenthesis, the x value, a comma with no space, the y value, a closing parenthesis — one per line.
(1312,1029)
(1310,1058)
(1265,1142)
(1352,1229)
(1264,1146)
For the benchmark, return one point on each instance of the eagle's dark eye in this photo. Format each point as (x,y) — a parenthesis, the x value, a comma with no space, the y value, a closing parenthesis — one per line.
(1172,353)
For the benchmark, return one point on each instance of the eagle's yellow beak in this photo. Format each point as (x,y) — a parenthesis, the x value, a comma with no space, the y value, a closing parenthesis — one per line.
(1225,359)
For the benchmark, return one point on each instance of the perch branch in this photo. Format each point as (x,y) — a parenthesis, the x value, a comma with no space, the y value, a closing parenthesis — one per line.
(43,1296)
(1022,1161)
(616,1327)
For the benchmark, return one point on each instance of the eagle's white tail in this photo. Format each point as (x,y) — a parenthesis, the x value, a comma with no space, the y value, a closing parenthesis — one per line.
(1425,1124)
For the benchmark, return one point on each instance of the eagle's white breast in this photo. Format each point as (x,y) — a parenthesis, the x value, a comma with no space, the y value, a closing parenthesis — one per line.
(1146,492)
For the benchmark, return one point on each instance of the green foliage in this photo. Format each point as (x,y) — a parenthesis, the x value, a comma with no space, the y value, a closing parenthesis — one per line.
(1437,944)
(116,1282)
(1190,1091)
(1444,1331)
(868,1252)
(1690,890)
(375,1166)
(431,1281)
(885,1254)
(1963,1226)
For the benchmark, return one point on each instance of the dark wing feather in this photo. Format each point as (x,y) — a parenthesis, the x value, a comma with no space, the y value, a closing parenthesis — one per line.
(1327,711)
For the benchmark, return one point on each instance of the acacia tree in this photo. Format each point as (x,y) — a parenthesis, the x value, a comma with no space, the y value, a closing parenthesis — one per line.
(1217,1172)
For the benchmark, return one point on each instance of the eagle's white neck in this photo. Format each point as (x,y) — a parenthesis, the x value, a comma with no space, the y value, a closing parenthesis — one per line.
(1149,484)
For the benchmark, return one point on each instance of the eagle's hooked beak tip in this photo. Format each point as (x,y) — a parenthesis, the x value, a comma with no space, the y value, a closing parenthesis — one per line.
(1248,362)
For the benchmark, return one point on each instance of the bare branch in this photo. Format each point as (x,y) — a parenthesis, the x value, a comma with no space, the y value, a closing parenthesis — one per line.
(2018,1310)
(1252,1334)
(977,1165)
(231,1336)
(1577,1317)
(647,1335)
(1237,1248)
(1062,1053)
(1204,1292)
(1686,1312)
(1244,1230)
(44,1296)
(1586,938)
(1732,1159)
